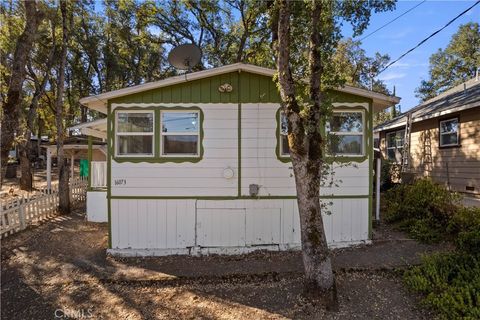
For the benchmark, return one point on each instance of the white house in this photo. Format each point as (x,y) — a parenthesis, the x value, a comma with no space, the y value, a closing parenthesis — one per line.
(199,163)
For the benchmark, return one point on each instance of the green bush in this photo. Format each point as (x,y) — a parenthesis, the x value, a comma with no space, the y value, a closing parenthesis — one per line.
(450,284)
(465,227)
(390,174)
(423,209)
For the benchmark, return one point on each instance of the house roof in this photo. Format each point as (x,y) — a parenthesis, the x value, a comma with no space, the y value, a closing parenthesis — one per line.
(99,102)
(97,128)
(461,97)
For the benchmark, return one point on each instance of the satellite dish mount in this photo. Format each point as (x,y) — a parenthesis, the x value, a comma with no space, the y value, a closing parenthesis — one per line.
(185,56)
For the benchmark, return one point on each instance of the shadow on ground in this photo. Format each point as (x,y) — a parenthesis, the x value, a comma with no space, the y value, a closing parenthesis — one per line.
(62,265)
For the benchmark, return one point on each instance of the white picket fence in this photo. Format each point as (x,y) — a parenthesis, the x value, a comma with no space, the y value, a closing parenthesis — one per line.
(17,213)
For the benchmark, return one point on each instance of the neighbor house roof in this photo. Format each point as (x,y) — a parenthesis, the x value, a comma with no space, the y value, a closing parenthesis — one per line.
(461,97)
(99,102)
(97,128)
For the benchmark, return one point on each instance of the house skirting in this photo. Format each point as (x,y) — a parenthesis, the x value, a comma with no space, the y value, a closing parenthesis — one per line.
(203,251)
(159,227)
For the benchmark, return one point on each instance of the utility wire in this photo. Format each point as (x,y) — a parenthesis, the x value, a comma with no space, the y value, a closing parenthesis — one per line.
(390,22)
(430,36)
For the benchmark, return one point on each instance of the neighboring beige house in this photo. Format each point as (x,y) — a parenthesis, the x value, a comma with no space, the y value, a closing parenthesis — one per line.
(445,138)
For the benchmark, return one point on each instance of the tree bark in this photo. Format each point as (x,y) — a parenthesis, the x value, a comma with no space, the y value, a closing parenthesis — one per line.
(305,144)
(63,187)
(13,101)
(26,146)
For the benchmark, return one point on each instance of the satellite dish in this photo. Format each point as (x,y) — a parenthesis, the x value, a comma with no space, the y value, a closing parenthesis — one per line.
(185,56)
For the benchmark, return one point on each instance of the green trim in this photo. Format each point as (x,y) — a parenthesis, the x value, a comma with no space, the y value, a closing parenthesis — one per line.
(370,169)
(157,158)
(89,157)
(366,136)
(282,158)
(109,172)
(236,198)
(337,158)
(239,175)
(97,190)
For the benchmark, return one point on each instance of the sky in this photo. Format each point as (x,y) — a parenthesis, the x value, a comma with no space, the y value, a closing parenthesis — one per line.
(406,32)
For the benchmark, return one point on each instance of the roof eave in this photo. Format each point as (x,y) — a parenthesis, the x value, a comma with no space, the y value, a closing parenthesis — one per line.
(99,102)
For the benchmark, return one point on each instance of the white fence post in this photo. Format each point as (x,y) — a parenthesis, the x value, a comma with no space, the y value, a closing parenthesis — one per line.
(16,214)
(21,216)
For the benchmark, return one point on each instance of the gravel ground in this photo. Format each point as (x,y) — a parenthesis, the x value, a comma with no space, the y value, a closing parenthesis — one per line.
(60,270)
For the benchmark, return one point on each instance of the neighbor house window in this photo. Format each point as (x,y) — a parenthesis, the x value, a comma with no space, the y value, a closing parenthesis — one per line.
(284,148)
(134,133)
(394,145)
(449,135)
(180,133)
(346,132)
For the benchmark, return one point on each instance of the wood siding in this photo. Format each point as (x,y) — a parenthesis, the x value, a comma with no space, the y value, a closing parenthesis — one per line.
(183,224)
(143,218)
(430,160)
(203,178)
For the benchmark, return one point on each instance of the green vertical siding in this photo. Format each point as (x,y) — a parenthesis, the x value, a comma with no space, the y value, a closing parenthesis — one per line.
(247,88)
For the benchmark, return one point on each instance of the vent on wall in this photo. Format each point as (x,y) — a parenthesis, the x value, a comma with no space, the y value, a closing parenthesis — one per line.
(469,188)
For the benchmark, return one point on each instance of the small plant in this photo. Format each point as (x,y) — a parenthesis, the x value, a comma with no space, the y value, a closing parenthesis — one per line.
(450,284)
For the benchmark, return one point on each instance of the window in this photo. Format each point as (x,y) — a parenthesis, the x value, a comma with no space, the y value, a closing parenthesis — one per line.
(284,148)
(449,133)
(394,145)
(180,133)
(134,130)
(345,132)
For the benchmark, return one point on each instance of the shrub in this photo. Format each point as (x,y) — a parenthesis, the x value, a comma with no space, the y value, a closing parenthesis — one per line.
(423,208)
(465,226)
(390,174)
(450,284)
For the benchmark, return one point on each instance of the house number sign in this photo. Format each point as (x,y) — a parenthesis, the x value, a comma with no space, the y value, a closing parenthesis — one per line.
(120,182)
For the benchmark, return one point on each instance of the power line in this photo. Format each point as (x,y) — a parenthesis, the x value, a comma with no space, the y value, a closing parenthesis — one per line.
(430,36)
(374,31)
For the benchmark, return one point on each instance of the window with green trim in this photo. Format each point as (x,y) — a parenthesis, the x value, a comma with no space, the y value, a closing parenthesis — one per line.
(284,148)
(180,134)
(134,133)
(346,133)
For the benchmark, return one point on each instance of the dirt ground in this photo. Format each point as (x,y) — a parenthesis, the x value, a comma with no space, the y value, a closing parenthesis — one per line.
(60,270)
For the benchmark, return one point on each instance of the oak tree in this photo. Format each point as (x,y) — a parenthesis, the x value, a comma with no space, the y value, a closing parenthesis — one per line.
(305,36)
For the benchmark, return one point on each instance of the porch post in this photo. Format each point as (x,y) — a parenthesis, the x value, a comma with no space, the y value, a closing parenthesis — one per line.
(72,161)
(49,170)
(89,186)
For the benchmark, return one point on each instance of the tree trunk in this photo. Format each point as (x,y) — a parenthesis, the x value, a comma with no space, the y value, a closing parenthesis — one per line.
(63,187)
(305,144)
(26,177)
(11,107)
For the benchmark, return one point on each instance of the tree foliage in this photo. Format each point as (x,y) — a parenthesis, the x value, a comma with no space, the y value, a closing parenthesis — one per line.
(453,65)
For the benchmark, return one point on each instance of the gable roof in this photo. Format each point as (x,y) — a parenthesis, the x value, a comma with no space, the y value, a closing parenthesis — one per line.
(462,97)
(99,102)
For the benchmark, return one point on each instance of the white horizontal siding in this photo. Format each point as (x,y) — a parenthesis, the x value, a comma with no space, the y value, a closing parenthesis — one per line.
(261,166)
(182,224)
(204,178)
